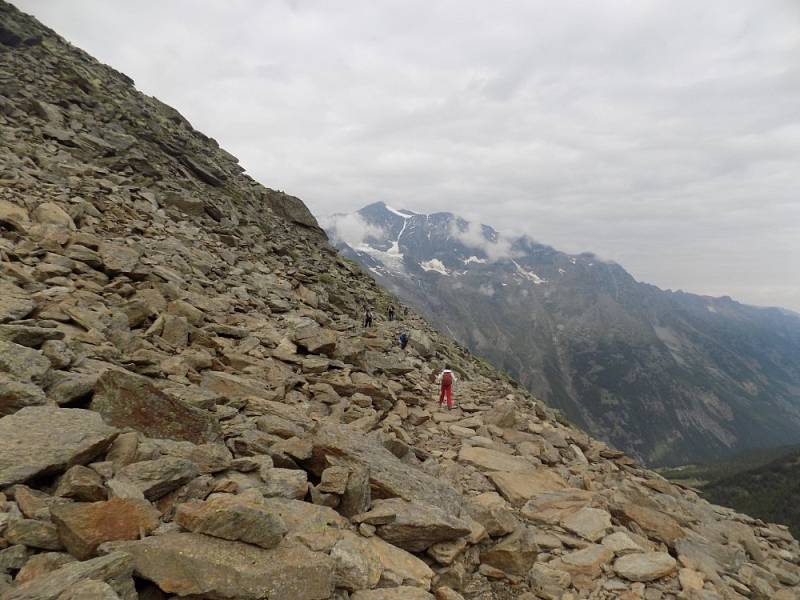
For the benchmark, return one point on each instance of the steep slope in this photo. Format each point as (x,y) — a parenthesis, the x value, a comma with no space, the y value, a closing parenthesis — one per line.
(189,408)
(667,376)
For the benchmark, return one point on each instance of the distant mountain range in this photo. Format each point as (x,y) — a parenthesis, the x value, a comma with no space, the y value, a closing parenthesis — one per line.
(669,377)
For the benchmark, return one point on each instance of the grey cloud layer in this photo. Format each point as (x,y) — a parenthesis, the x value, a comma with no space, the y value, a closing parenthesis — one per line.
(663,135)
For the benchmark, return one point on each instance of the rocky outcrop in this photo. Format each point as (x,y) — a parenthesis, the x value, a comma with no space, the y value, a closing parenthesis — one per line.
(190,407)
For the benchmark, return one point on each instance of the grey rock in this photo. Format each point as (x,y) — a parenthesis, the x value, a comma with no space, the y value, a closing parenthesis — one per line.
(156,478)
(23,363)
(128,400)
(115,569)
(199,565)
(37,441)
(233,518)
(413,526)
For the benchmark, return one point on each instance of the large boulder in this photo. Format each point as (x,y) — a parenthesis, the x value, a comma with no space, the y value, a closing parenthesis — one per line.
(15,395)
(419,341)
(407,567)
(493,512)
(645,566)
(23,363)
(119,258)
(191,564)
(358,566)
(82,526)
(14,215)
(315,340)
(115,569)
(156,478)
(655,524)
(292,209)
(41,440)
(233,518)
(587,561)
(486,459)
(413,526)
(389,476)
(398,593)
(589,523)
(50,213)
(519,487)
(514,554)
(128,400)
(15,303)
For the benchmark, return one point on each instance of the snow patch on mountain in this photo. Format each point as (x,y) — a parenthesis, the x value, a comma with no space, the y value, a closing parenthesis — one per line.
(391,259)
(530,275)
(397,212)
(436,265)
(475,259)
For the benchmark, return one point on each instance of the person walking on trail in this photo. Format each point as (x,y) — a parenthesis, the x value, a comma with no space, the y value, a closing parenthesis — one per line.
(368,317)
(446,380)
(403,340)
(391,313)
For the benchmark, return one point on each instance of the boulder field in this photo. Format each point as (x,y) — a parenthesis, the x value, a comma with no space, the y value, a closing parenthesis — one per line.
(190,407)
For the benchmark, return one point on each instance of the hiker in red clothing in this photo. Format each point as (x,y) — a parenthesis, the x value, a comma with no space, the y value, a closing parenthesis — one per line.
(447,380)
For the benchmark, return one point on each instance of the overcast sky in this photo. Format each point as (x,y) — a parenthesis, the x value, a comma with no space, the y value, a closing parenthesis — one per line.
(664,135)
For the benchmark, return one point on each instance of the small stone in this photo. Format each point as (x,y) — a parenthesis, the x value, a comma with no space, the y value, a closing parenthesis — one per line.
(334,480)
(690,579)
(81,483)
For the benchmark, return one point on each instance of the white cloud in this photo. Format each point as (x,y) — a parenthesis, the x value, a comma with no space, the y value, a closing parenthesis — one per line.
(473,236)
(659,134)
(486,289)
(352,229)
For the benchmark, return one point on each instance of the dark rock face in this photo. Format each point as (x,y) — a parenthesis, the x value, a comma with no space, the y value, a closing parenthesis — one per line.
(127,400)
(291,208)
(669,377)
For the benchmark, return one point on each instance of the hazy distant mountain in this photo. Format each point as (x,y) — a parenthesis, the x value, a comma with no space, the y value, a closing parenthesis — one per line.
(669,377)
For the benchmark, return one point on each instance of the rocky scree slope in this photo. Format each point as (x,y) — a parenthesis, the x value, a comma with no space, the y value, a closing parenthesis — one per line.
(191,410)
(669,377)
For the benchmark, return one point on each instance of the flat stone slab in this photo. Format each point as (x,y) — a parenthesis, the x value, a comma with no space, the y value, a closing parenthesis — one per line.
(389,477)
(645,566)
(191,564)
(43,440)
(115,569)
(414,526)
(486,459)
(519,487)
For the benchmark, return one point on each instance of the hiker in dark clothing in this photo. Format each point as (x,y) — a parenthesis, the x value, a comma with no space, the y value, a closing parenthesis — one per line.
(403,340)
(391,313)
(368,317)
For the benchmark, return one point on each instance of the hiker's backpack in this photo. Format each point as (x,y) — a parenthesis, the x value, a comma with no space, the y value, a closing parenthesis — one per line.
(447,379)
